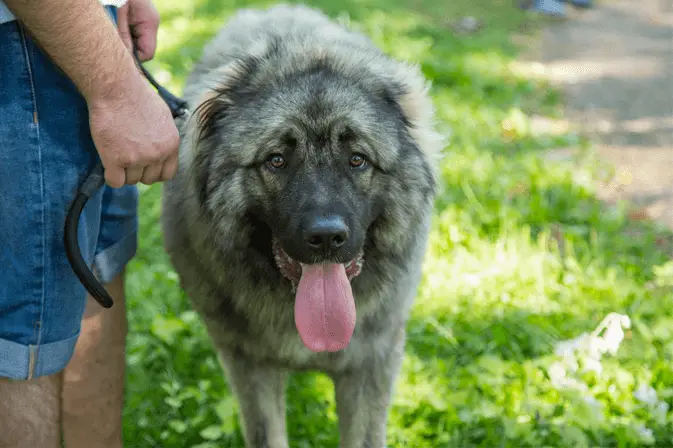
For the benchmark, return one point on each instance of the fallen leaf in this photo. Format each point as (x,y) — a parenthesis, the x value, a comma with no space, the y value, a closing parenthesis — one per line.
(640,214)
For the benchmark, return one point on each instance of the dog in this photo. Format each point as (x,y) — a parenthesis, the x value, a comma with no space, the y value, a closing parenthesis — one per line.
(299,217)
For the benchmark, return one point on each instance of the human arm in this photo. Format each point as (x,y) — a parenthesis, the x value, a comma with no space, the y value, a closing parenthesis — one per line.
(131,125)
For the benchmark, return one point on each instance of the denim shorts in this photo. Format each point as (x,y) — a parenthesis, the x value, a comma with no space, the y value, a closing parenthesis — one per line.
(46,151)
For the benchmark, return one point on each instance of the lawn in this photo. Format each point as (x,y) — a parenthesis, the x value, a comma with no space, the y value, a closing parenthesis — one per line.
(544,317)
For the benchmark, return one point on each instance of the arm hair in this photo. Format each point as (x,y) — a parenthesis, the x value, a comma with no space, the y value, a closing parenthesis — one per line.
(81,39)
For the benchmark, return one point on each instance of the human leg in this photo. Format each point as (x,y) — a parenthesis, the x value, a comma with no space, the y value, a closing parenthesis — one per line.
(93,381)
(47,151)
(29,412)
(92,391)
(41,300)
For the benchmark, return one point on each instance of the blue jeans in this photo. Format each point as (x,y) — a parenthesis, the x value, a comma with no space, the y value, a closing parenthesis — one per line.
(46,150)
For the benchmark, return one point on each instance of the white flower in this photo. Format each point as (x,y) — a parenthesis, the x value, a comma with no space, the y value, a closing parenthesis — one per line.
(568,348)
(559,378)
(593,346)
(646,433)
(589,348)
(661,411)
(556,371)
(591,401)
(613,337)
(662,407)
(571,364)
(593,365)
(646,394)
(472,280)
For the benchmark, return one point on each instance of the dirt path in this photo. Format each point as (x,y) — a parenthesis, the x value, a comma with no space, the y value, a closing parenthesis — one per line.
(615,63)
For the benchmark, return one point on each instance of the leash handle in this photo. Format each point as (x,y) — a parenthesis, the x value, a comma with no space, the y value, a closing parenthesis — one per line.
(88,188)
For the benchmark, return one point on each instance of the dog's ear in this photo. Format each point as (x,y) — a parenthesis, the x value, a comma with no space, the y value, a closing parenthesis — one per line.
(213,105)
(217,98)
(408,90)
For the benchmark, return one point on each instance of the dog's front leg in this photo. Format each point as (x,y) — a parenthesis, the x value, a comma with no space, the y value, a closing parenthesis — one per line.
(363,396)
(261,395)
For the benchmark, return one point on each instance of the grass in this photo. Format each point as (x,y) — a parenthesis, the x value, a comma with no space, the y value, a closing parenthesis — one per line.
(523,256)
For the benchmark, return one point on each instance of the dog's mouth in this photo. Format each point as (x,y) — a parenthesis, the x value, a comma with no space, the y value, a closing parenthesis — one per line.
(324,310)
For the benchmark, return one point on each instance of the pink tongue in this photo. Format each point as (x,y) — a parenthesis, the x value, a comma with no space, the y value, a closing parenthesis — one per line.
(324,309)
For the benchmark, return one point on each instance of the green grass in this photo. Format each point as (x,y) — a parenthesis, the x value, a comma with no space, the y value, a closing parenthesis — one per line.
(522,256)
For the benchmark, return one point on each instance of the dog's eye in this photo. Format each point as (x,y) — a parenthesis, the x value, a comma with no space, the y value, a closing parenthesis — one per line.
(276,161)
(357,161)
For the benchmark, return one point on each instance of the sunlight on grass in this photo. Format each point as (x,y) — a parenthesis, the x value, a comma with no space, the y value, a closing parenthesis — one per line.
(522,260)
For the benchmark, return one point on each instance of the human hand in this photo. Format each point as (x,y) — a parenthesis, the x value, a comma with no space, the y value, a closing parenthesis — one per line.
(134,134)
(138,22)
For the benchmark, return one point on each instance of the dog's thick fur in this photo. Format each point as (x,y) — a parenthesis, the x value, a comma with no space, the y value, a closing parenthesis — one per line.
(289,80)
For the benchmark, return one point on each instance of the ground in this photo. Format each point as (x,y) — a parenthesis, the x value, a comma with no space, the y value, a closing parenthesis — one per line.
(615,64)
(545,316)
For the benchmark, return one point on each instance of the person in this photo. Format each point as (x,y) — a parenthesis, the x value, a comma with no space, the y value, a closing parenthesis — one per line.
(555,8)
(71,95)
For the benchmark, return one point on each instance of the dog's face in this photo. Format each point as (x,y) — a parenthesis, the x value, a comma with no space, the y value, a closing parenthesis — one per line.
(316,157)
(317,173)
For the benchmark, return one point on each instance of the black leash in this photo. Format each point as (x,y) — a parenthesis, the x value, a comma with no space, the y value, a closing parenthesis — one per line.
(94,181)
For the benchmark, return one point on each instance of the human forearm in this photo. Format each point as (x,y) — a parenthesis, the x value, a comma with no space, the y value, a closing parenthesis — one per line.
(82,40)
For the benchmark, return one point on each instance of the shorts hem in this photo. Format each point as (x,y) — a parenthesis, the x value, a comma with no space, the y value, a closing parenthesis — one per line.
(110,262)
(24,362)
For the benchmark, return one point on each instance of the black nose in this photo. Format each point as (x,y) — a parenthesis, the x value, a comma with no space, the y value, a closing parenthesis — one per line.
(326,234)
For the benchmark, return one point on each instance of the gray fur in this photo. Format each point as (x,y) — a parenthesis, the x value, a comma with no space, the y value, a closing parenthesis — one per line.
(267,72)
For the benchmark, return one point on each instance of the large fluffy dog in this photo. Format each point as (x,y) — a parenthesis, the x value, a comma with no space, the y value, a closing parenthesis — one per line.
(298,220)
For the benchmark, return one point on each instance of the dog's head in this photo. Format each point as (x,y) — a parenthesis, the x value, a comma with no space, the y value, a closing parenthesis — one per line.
(330,152)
